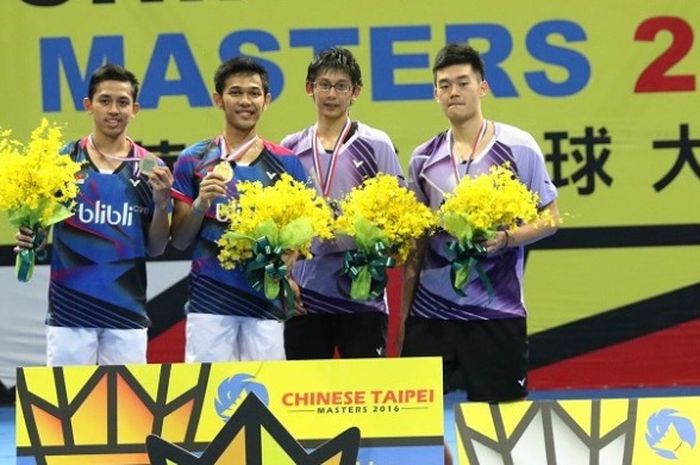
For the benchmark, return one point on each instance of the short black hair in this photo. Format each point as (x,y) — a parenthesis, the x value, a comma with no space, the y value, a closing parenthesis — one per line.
(335,58)
(112,72)
(240,65)
(458,54)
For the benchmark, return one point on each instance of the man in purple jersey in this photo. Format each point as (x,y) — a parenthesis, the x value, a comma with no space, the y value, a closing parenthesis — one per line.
(97,293)
(486,335)
(338,154)
(227,319)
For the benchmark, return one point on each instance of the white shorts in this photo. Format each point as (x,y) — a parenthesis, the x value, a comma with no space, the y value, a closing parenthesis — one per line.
(90,346)
(224,338)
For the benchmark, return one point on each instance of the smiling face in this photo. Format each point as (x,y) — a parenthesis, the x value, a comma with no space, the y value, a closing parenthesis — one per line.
(458,90)
(333,92)
(243,100)
(112,106)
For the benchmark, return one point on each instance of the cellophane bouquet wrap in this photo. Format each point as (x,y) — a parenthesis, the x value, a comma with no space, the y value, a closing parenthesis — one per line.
(39,186)
(384,219)
(477,209)
(269,226)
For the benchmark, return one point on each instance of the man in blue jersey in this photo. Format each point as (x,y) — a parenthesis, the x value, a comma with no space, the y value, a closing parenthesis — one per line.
(486,336)
(226,318)
(97,293)
(339,154)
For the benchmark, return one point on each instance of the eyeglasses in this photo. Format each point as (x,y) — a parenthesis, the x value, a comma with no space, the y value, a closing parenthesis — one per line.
(340,87)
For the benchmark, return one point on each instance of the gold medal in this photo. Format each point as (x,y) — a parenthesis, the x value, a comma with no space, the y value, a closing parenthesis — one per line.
(224,170)
(148,163)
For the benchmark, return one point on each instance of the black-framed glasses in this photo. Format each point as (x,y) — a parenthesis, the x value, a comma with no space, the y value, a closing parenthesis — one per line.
(340,87)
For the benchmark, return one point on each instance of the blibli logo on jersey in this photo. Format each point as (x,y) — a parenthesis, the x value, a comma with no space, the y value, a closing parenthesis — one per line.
(222,215)
(107,214)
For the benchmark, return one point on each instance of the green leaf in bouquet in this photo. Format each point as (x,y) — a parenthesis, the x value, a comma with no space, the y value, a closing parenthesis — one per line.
(269,229)
(458,227)
(271,286)
(295,233)
(61,213)
(488,234)
(367,234)
(234,236)
(20,217)
(361,285)
(465,257)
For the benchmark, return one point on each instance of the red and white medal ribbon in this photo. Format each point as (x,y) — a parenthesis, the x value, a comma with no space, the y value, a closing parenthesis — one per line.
(236,155)
(91,141)
(477,140)
(326,181)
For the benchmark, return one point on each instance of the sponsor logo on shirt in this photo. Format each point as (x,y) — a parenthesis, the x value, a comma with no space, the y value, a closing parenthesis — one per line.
(221,214)
(108,214)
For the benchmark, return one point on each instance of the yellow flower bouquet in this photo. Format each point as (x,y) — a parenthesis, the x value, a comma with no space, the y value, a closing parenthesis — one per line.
(384,219)
(268,227)
(475,211)
(39,186)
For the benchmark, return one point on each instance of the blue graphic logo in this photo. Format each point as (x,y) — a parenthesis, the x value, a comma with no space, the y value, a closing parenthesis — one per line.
(670,435)
(233,390)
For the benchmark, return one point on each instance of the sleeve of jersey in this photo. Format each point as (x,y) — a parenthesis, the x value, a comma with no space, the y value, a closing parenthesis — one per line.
(414,169)
(536,176)
(388,161)
(288,142)
(295,168)
(183,174)
(67,149)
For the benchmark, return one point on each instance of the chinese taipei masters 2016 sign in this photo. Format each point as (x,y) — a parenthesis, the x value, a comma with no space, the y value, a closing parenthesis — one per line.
(102,415)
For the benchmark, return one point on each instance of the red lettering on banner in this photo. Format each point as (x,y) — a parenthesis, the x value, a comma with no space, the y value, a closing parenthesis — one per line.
(403,396)
(306,399)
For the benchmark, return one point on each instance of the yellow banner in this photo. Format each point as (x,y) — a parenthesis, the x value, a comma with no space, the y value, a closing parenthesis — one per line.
(608,89)
(651,431)
(106,413)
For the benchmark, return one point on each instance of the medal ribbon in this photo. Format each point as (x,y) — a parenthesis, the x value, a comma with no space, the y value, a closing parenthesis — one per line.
(236,155)
(477,140)
(91,140)
(326,183)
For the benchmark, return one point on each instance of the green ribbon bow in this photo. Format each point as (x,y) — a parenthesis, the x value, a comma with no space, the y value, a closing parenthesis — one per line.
(466,256)
(267,271)
(26,258)
(367,271)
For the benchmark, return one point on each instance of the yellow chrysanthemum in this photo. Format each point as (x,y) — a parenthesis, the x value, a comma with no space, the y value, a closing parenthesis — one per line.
(286,203)
(393,209)
(487,203)
(39,186)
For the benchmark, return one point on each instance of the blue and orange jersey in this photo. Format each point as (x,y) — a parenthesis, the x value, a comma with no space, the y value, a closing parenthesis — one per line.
(212,288)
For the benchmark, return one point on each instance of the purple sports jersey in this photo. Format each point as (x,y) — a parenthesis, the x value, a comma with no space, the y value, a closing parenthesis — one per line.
(98,259)
(213,289)
(364,153)
(431,175)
